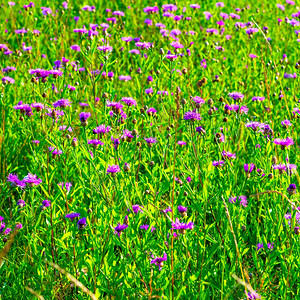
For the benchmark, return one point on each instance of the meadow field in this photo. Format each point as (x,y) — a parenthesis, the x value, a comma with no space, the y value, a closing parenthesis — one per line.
(149,150)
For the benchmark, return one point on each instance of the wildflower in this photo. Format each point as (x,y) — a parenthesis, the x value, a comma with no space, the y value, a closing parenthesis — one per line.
(192,115)
(252,295)
(18,226)
(7,231)
(83,116)
(257,98)
(284,143)
(66,185)
(81,223)
(150,141)
(280,6)
(46,203)
(72,216)
(75,47)
(54,151)
(181,143)
(286,123)
(124,78)
(158,261)
(129,101)
(15,181)
(113,170)
(281,168)
(236,96)
(249,167)
(243,200)
(102,130)
(220,4)
(219,163)
(120,228)
(151,111)
(7,79)
(182,210)
(200,130)
(254,125)
(171,57)
(32,180)
(63,103)
(292,189)
(21,203)
(182,227)
(228,155)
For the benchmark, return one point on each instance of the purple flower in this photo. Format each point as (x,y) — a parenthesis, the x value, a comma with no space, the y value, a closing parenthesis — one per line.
(252,295)
(7,79)
(120,228)
(292,189)
(286,75)
(7,231)
(219,163)
(15,181)
(281,168)
(258,98)
(192,115)
(254,125)
(46,203)
(21,203)
(220,4)
(286,123)
(236,95)
(102,129)
(75,48)
(280,6)
(63,103)
(284,143)
(129,101)
(72,216)
(182,227)
(124,78)
(83,116)
(243,200)
(182,209)
(228,155)
(200,130)
(66,185)
(55,151)
(95,143)
(81,223)
(150,140)
(113,169)
(32,180)
(158,261)
(181,143)
(249,168)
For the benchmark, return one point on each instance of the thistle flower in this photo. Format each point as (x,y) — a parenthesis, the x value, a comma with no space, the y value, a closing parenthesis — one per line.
(292,189)
(182,210)
(72,216)
(192,115)
(158,261)
(95,143)
(219,163)
(150,141)
(83,116)
(15,181)
(284,143)
(120,228)
(236,96)
(286,123)
(242,200)
(249,168)
(113,170)
(81,223)
(129,101)
(228,155)
(182,227)
(102,129)
(65,185)
(21,203)
(32,180)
